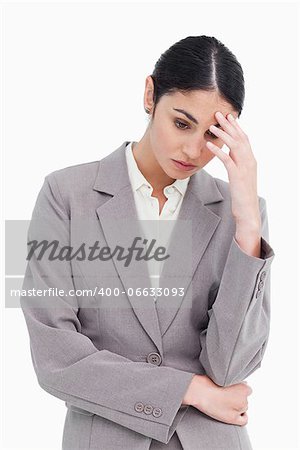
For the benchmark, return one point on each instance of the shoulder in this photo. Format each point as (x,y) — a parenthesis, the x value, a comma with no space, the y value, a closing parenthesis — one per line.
(72,185)
(74,177)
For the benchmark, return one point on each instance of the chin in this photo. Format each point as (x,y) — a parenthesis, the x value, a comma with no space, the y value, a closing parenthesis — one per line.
(178,175)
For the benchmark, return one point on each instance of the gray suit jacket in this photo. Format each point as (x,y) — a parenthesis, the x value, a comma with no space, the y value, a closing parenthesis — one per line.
(120,361)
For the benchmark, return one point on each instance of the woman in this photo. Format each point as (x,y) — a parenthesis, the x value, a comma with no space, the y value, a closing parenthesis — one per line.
(157,355)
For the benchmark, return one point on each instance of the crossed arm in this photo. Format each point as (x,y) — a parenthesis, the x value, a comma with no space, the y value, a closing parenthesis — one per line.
(70,367)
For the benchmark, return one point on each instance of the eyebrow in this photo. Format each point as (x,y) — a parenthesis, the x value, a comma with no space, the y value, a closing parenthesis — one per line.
(192,118)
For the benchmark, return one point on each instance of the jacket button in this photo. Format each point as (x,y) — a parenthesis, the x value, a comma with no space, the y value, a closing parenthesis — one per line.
(157,412)
(263,275)
(258,294)
(148,409)
(154,358)
(139,407)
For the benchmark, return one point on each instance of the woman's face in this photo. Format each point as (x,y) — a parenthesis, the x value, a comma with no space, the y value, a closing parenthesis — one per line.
(176,135)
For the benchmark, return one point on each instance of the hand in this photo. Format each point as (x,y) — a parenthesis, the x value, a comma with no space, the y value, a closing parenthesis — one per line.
(226,404)
(242,170)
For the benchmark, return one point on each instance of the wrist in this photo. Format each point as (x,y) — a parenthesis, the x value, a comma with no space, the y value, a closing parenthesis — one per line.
(194,391)
(187,399)
(248,224)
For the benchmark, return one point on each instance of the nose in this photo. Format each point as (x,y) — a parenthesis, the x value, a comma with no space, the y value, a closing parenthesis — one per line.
(193,150)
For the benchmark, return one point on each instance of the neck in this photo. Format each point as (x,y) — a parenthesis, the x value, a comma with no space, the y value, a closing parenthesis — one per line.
(148,165)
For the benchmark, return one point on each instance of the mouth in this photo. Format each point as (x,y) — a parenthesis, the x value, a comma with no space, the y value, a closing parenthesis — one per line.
(183,166)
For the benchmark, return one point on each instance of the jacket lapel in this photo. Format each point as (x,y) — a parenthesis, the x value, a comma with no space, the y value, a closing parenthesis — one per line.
(119,221)
(198,223)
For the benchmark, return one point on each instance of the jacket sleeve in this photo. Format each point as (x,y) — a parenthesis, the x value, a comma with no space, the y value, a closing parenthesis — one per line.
(67,363)
(234,342)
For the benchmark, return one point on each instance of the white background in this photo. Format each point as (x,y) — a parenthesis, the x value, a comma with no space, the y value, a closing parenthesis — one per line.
(73,77)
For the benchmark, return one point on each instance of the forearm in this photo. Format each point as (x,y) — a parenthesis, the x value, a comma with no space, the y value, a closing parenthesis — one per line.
(232,346)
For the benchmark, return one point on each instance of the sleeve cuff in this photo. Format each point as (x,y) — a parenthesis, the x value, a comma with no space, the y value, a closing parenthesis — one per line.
(266,253)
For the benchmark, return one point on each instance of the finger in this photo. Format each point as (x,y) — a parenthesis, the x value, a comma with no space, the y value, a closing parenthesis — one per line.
(226,124)
(242,419)
(233,121)
(244,408)
(226,138)
(249,387)
(227,161)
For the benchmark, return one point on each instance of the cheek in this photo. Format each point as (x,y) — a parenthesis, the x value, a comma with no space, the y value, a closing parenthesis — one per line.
(163,150)
(163,131)
(207,155)
(164,139)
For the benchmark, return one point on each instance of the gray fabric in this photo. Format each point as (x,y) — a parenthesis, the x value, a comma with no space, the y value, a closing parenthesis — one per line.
(173,444)
(94,352)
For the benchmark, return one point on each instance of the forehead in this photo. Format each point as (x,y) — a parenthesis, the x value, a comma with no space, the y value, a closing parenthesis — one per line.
(201,104)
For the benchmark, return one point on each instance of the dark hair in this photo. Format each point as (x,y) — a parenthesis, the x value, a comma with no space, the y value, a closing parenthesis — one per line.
(199,62)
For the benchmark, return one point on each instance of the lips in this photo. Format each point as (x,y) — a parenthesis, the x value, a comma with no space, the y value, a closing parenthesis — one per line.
(184,164)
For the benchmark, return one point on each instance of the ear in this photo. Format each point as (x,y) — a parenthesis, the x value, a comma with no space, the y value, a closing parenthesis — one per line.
(148,94)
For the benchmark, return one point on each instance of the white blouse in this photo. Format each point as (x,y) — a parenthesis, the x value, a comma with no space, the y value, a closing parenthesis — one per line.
(148,210)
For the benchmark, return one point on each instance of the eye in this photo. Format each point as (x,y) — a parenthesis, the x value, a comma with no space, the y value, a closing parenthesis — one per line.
(213,136)
(180,125)
(183,126)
